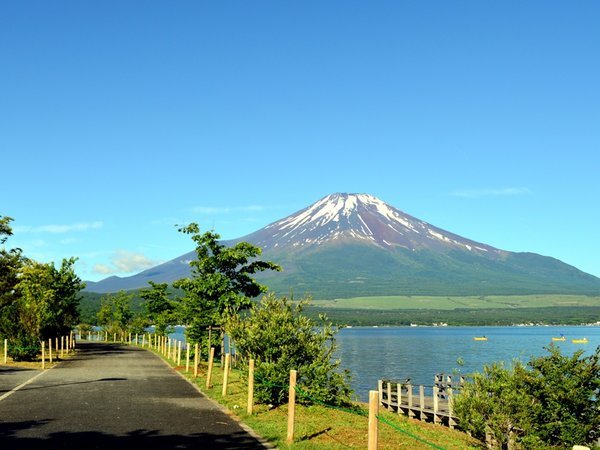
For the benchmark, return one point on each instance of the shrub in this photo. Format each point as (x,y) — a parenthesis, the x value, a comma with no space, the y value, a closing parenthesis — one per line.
(24,348)
(280,338)
(550,403)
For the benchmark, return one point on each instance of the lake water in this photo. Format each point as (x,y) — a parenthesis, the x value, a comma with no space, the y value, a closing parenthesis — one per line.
(418,353)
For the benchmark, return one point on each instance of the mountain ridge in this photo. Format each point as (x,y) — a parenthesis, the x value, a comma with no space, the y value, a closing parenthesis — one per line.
(347,245)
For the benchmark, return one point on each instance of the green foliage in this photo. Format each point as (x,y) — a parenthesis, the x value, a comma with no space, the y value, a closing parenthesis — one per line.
(115,313)
(37,301)
(551,402)
(495,401)
(160,309)
(5,229)
(24,347)
(221,280)
(48,300)
(567,391)
(280,338)
(11,263)
(459,317)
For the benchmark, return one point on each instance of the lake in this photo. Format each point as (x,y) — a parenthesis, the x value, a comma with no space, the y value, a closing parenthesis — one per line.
(419,353)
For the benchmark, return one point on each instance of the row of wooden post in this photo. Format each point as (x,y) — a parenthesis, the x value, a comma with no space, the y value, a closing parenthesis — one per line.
(66,343)
(161,343)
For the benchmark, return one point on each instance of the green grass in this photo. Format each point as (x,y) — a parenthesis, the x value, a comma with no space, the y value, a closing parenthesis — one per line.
(398,302)
(325,428)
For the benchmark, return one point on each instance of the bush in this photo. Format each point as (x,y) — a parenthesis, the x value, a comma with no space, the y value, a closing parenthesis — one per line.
(24,348)
(550,403)
(280,338)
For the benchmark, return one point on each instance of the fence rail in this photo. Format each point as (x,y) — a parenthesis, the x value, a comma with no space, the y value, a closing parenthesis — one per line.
(404,398)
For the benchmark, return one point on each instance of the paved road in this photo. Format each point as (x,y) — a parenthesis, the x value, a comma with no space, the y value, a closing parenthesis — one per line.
(111,396)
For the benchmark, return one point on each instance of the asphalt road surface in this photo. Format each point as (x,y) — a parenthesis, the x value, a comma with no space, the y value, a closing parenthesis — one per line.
(112,396)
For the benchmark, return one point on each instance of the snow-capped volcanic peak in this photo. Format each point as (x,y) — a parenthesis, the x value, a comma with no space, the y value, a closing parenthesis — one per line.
(359,217)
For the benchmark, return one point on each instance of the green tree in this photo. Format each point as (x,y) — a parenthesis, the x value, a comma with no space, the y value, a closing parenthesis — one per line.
(221,281)
(495,402)
(5,228)
(115,313)
(566,390)
(280,338)
(161,310)
(48,298)
(11,264)
(552,402)
(37,301)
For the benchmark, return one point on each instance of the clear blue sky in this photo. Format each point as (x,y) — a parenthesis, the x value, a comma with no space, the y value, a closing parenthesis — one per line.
(120,119)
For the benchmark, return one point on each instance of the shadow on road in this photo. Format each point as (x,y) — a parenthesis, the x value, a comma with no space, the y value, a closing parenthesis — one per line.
(145,439)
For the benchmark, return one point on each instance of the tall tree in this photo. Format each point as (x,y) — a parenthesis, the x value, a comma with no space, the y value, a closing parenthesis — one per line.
(161,310)
(48,298)
(221,280)
(11,263)
(115,314)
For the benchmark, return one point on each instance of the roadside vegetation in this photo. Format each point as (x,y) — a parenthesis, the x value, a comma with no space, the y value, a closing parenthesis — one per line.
(319,425)
(37,301)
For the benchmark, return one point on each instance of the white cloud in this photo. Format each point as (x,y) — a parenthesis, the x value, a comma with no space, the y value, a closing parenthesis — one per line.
(489,192)
(102,269)
(124,261)
(79,226)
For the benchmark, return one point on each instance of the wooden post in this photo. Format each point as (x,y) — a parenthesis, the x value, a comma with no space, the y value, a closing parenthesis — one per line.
(399,397)
(56,346)
(410,400)
(373,412)
(291,407)
(436,405)
(250,386)
(50,350)
(43,354)
(187,357)
(178,353)
(62,346)
(136,339)
(226,373)
(222,346)
(129,338)
(422,402)
(211,361)
(114,337)
(389,396)
(380,390)
(196,356)
(451,421)
(5,351)
(209,339)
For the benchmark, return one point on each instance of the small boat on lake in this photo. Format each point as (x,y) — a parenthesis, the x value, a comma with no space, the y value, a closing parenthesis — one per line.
(561,338)
(580,341)
(480,338)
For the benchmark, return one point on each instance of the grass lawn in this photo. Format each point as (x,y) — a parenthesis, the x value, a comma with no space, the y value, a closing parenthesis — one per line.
(323,427)
(454,302)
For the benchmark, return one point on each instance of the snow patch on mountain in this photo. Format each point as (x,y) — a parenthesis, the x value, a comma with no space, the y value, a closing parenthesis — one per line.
(358,217)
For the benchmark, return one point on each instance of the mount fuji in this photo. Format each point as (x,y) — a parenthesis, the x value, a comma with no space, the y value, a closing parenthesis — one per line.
(348,245)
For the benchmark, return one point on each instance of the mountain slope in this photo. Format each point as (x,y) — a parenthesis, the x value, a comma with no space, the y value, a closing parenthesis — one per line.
(347,245)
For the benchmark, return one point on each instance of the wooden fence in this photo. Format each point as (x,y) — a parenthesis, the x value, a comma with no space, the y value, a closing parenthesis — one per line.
(404,398)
